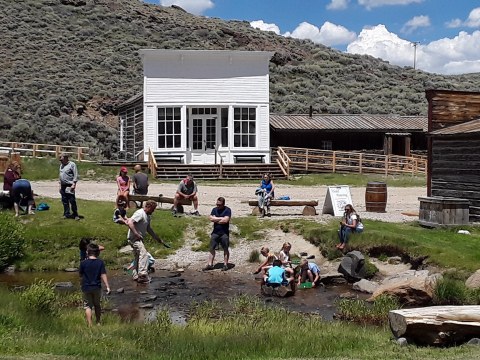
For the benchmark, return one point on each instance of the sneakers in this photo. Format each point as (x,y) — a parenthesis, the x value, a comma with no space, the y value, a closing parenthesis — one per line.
(225,268)
(174,212)
(207,268)
(144,279)
(77,218)
(196,213)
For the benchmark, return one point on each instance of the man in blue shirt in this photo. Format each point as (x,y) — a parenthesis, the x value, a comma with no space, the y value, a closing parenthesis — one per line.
(220,216)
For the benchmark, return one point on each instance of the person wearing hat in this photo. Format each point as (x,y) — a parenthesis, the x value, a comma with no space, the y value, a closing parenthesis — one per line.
(123,184)
(68,177)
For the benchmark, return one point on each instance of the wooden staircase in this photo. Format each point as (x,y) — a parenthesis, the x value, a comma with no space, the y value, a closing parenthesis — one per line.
(171,171)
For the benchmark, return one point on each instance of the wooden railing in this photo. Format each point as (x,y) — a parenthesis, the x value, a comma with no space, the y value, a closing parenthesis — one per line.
(80,153)
(152,163)
(312,160)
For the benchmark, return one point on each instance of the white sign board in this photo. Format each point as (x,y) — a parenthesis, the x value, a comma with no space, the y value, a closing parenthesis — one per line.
(336,199)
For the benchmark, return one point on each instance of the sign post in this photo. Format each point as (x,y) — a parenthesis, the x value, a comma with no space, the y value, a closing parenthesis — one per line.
(336,199)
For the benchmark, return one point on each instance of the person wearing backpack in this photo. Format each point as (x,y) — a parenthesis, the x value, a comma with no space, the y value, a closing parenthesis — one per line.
(350,223)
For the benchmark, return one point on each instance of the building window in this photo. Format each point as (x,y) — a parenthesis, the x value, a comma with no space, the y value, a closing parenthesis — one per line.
(244,127)
(224,125)
(326,145)
(169,128)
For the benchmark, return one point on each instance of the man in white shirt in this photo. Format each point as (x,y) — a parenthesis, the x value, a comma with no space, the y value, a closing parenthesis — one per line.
(139,226)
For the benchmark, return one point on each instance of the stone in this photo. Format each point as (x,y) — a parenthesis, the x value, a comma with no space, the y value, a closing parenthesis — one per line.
(394,260)
(333,278)
(365,286)
(411,287)
(125,249)
(353,266)
(71,270)
(473,282)
(64,285)
(146,306)
(474,341)
(402,341)
(120,290)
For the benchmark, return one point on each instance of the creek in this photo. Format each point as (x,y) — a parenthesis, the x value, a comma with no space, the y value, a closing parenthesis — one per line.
(178,290)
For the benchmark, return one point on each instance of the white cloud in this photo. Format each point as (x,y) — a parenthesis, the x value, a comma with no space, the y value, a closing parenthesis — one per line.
(415,23)
(338,5)
(473,18)
(260,24)
(369,4)
(196,7)
(444,56)
(455,23)
(329,34)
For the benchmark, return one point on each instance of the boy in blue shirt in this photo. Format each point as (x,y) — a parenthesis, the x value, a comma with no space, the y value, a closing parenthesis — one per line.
(276,275)
(92,270)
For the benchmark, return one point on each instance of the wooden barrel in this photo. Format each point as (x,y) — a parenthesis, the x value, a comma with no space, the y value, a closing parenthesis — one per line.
(376,197)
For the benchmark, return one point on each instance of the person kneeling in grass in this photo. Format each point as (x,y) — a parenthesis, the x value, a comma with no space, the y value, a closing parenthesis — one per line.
(309,271)
(92,270)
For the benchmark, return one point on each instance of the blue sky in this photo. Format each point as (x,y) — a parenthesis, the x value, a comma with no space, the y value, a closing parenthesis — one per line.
(447,31)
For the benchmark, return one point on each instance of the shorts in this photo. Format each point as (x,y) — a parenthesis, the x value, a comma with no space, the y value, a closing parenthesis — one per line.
(22,192)
(217,239)
(91,298)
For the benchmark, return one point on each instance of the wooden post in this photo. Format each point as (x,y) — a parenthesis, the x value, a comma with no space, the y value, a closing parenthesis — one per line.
(79,154)
(306,160)
(386,165)
(407,145)
(57,151)
(334,159)
(360,161)
(34,150)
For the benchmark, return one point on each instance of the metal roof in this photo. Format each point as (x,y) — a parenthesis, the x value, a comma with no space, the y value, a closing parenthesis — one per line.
(469,127)
(390,123)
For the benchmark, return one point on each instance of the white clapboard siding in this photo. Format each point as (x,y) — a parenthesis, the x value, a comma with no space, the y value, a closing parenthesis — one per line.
(263,128)
(252,90)
(150,128)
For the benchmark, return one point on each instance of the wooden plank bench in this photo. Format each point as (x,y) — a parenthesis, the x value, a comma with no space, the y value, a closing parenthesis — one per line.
(308,210)
(160,199)
(248,158)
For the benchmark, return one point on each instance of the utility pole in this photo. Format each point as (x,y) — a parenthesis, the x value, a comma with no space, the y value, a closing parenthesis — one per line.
(415,44)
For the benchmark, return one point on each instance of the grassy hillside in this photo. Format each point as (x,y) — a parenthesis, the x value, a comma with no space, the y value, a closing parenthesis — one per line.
(66,65)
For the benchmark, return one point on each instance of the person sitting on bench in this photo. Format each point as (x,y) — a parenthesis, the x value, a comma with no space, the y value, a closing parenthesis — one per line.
(265,194)
(187,189)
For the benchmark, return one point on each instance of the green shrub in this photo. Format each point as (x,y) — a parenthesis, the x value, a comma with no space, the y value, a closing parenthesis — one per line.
(362,312)
(40,297)
(450,291)
(254,256)
(12,241)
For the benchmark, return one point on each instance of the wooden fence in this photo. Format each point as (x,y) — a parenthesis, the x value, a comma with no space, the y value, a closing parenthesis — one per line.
(80,153)
(303,160)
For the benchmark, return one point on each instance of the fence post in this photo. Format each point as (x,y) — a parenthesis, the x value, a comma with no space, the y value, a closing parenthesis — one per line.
(386,165)
(334,160)
(306,160)
(79,154)
(360,161)
(57,151)
(34,150)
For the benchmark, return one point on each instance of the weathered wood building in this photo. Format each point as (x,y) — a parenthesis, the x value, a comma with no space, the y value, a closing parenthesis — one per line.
(393,134)
(454,146)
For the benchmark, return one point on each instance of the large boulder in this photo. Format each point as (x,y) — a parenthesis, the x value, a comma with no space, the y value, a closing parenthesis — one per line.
(410,287)
(473,282)
(353,266)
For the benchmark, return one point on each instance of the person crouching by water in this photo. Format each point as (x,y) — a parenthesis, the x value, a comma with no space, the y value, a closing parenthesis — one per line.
(350,223)
(309,271)
(276,275)
(265,194)
(220,217)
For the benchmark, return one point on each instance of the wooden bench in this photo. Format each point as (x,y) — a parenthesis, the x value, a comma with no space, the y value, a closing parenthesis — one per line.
(249,158)
(169,159)
(160,199)
(308,210)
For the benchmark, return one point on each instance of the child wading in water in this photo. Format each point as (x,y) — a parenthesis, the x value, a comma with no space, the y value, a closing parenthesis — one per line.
(92,271)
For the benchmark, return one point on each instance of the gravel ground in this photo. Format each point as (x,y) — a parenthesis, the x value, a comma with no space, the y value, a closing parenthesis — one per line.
(402,204)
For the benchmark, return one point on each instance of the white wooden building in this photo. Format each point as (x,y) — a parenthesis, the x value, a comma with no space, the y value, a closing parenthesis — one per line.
(204,106)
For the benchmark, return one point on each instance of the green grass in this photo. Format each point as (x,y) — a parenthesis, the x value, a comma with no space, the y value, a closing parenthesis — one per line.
(52,242)
(248,330)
